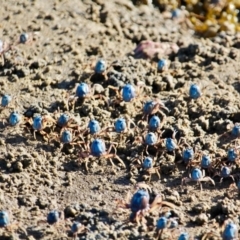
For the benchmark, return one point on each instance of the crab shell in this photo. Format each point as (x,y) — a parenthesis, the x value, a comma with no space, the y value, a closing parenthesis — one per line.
(120,125)
(194,91)
(128,93)
(188,154)
(82,90)
(53,217)
(94,126)
(100,66)
(4,219)
(98,147)
(162,223)
(170,144)
(154,122)
(150,138)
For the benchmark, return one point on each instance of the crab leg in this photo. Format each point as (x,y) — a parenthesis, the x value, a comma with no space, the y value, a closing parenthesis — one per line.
(205,179)
(110,156)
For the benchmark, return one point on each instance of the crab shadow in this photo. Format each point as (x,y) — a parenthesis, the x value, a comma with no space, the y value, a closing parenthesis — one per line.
(73,166)
(195,185)
(224,184)
(65,84)
(123,180)
(236,86)
(225,138)
(45,147)
(98,78)
(13,139)
(37,234)
(57,105)
(4,237)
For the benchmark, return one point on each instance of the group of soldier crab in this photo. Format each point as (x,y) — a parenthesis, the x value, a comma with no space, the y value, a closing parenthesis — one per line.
(54,217)
(6,46)
(69,132)
(141,203)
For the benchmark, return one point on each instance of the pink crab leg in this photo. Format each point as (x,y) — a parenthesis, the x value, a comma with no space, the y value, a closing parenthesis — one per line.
(159,204)
(154,170)
(159,234)
(231,176)
(209,235)
(188,179)
(40,131)
(84,154)
(138,217)
(122,204)
(171,205)
(128,197)
(115,89)
(112,155)
(110,148)
(206,179)
(156,203)
(158,105)
(147,150)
